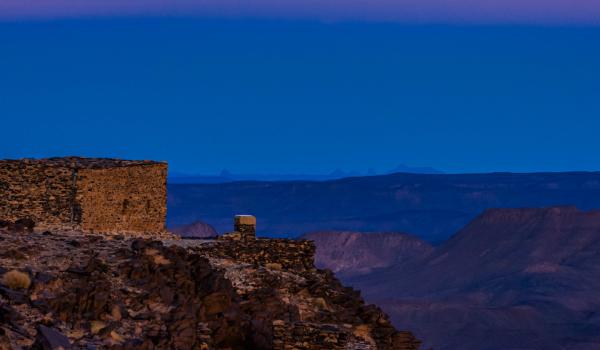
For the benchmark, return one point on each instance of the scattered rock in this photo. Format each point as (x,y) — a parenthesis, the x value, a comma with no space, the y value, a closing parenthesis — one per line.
(50,339)
(24,225)
(97,326)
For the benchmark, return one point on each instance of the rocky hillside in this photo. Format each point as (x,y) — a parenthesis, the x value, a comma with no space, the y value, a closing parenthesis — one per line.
(511,279)
(431,206)
(72,291)
(351,254)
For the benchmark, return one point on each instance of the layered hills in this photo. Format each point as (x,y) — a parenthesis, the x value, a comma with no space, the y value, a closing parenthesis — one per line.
(430,206)
(510,279)
(357,253)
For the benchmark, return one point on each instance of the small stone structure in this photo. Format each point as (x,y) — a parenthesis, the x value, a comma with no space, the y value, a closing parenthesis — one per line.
(88,194)
(246,226)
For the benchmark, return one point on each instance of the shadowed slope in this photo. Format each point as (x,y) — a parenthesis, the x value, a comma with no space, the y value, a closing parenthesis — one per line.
(357,253)
(513,278)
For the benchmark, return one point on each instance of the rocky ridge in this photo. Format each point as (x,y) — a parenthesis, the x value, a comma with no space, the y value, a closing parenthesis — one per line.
(523,278)
(114,292)
(351,254)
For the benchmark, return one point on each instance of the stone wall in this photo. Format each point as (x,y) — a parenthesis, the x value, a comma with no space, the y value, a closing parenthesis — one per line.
(285,254)
(123,200)
(93,195)
(37,191)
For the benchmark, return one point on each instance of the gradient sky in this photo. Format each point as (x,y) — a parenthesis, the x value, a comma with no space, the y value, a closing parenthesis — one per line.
(285,95)
(470,11)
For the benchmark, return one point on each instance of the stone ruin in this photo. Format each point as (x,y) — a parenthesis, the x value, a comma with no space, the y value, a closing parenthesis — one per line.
(246,226)
(242,245)
(237,291)
(92,195)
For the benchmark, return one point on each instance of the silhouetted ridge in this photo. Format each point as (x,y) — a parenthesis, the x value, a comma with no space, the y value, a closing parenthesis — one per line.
(431,206)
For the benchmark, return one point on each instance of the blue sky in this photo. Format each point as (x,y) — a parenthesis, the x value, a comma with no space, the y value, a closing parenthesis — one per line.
(301,96)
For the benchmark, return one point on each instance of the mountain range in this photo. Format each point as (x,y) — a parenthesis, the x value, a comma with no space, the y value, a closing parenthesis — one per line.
(511,279)
(465,261)
(227,176)
(430,206)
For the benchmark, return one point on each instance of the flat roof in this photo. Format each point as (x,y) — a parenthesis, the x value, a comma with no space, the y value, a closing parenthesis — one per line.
(83,163)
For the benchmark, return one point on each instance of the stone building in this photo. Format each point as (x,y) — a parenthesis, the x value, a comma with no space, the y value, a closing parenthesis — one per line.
(88,194)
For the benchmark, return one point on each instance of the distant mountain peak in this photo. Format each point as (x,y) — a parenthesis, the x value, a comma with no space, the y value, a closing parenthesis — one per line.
(402,168)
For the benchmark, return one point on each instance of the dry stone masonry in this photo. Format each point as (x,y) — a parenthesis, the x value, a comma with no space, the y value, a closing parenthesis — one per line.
(87,194)
(243,246)
(246,226)
(282,253)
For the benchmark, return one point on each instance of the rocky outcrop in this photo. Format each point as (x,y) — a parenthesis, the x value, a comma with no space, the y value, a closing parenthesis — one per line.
(113,292)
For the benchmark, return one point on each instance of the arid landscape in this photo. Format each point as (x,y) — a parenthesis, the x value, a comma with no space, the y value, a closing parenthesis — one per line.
(82,269)
(511,278)
(518,277)
(114,293)
(299,175)
(430,206)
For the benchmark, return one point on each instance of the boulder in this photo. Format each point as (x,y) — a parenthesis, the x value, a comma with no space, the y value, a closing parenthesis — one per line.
(50,339)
